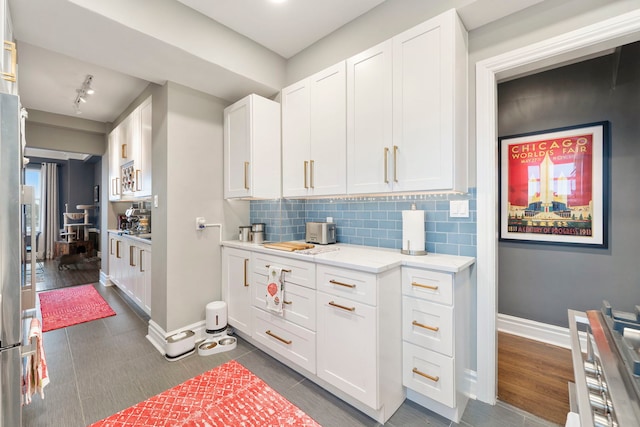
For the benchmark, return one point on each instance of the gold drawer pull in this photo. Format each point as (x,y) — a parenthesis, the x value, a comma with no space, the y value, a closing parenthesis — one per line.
(346,285)
(395,163)
(246,261)
(141,269)
(420,325)
(432,288)
(271,334)
(311,173)
(427,376)
(123,151)
(138,185)
(286,271)
(331,303)
(306,164)
(131,263)
(246,169)
(287,302)
(386,160)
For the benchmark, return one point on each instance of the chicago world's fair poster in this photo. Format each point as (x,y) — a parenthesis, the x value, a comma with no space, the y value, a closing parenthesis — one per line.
(553,186)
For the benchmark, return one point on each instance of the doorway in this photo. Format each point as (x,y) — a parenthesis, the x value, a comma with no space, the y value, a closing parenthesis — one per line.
(562,49)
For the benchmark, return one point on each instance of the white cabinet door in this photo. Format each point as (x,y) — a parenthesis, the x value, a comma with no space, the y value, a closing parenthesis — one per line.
(347,328)
(144,162)
(369,120)
(296,134)
(236,289)
(252,157)
(237,154)
(115,188)
(429,105)
(327,156)
(145,266)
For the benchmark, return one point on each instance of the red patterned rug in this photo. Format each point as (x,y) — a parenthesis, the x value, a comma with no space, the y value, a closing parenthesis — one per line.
(69,306)
(229,395)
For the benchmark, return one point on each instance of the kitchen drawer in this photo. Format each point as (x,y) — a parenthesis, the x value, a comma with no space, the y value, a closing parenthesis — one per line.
(300,272)
(291,341)
(427,284)
(429,373)
(428,325)
(299,303)
(352,284)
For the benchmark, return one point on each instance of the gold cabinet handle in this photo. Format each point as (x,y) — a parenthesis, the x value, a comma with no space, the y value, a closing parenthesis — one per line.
(271,334)
(311,173)
(246,171)
(333,304)
(131,263)
(346,285)
(283,270)
(420,325)
(427,376)
(287,302)
(306,163)
(246,261)
(117,248)
(386,166)
(11,47)
(138,187)
(111,246)
(140,263)
(395,163)
(418,285)
(123,151)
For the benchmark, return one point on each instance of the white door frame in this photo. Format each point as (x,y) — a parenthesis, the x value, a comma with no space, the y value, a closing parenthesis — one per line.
(594,38)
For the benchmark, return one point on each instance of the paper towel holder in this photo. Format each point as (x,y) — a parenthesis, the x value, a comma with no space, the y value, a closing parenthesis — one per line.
(410,251)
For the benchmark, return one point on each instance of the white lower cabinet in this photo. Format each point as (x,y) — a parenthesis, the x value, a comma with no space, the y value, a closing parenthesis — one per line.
(236,288)
(436,343)
(130,268)
(347,330)
(289,340)
(339,326)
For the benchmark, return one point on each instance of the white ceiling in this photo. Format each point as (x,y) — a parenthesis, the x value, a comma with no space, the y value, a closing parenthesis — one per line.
(122,44)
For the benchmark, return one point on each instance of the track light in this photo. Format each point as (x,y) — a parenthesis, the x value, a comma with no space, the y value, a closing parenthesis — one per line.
(82,93)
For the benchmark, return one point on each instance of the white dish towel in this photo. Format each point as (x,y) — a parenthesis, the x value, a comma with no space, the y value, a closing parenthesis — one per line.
(274,289)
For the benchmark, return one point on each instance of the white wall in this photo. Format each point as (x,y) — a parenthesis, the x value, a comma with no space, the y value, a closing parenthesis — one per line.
(193,189)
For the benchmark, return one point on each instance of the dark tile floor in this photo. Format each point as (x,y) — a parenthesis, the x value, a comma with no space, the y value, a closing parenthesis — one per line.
(104,366)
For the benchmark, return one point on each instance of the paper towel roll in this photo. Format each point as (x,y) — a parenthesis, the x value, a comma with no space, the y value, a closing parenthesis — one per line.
(413,232)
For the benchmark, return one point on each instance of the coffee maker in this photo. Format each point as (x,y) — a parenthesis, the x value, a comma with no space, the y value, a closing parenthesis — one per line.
(139,219)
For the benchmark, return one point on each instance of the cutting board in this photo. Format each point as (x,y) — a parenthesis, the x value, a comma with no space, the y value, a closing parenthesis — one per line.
(288,246)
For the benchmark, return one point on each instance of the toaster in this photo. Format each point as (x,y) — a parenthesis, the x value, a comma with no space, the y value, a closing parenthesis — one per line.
(322,233)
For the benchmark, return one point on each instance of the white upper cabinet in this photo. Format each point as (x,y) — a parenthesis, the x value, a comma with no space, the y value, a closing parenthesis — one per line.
(9,55)
(369,120)
(406,111)
(143,170)
(430,106)
(130,151)
(252,166)
(314,135)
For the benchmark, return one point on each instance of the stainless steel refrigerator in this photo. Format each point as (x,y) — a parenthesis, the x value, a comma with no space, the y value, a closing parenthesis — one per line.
(16,273)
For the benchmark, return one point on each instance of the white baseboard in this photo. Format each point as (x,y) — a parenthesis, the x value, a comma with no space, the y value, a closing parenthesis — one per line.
(543,332)
(105,279)
(158,336)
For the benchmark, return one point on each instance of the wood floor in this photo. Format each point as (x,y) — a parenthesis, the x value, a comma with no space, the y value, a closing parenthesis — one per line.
(533,376)
(48,276)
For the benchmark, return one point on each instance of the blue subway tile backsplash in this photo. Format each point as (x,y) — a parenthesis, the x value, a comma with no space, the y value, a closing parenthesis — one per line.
(373,221)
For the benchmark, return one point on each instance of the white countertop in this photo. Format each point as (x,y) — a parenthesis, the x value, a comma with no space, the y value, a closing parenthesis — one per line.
(364,258)
(131,236)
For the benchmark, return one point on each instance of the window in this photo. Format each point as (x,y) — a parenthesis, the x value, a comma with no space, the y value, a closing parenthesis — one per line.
(32,178)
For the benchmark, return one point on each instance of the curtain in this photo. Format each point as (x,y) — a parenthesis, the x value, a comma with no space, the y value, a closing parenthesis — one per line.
(49,212)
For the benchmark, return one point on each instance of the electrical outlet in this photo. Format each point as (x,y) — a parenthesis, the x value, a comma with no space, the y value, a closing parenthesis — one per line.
(200,223)
(459,208)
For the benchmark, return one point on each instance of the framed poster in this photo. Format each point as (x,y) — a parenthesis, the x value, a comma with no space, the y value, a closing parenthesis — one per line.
(554,186)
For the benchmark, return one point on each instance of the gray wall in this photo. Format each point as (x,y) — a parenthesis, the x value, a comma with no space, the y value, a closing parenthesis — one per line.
(540,282)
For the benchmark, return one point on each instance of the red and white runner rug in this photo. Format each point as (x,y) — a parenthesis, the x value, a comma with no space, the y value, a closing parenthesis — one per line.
(229,395)
(69,306)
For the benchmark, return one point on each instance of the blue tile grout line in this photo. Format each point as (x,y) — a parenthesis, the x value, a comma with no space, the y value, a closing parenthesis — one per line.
(373,221)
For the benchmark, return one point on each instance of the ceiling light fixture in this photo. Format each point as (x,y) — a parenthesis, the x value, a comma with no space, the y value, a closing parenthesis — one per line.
(82,93)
